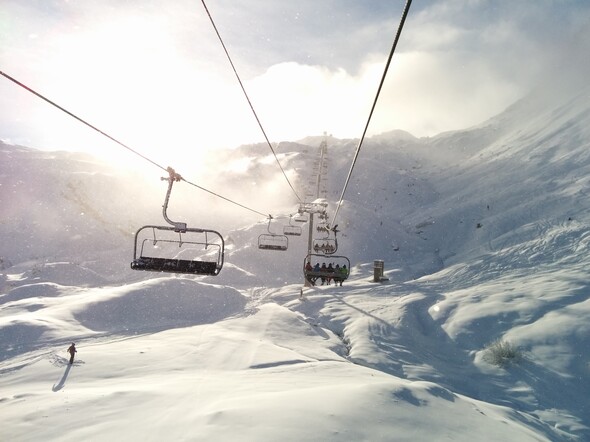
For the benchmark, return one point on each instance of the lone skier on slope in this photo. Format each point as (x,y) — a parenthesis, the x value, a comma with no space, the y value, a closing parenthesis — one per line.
(72,351)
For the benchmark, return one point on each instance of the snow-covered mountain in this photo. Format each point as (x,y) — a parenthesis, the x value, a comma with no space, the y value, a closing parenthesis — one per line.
(484,233)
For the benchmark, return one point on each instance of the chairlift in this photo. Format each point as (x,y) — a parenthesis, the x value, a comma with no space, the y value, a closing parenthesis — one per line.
(300,218)
(290,229)
(177,248)
(322,227)
(326,246)
(272,241)
(326,268)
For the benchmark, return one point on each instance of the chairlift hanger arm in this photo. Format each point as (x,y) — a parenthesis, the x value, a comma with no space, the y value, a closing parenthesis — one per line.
(270,218)
(173,177)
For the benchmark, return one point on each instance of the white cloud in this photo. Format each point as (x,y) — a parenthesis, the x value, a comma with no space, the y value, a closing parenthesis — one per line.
(156,76)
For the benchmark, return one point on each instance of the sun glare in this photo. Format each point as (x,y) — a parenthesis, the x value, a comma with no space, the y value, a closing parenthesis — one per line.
(129,82)
(132,79)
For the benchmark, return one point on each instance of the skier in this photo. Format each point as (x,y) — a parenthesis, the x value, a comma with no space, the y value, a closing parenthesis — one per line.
(72,350)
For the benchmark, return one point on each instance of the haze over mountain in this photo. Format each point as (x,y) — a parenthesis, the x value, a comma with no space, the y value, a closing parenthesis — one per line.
(484,233)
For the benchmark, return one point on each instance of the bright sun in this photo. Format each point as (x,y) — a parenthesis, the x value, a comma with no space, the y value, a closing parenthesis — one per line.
(130,83)
(172,101)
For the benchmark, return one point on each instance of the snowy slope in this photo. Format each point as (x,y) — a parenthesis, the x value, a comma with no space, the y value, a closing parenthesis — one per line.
(484,234)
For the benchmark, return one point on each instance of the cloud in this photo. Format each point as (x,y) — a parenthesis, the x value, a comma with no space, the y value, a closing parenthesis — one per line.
(155,76)
(424,94)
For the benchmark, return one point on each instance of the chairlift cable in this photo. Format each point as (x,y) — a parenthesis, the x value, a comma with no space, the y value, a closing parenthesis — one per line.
(358,149)
(224,198)
(248,100)
(80,119)
(122,144)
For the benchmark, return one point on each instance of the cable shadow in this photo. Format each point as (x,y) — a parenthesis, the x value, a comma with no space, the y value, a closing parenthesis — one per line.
(340,298)
(62,381)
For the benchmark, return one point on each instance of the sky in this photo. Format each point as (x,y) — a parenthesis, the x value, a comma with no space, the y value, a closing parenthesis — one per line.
(153,74)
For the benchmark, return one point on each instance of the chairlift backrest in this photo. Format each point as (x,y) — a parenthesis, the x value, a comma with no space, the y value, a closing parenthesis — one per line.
(189,251)
(292,230)
(269,241)
(300,218)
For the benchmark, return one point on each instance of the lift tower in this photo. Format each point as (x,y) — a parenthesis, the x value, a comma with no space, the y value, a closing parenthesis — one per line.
(317,192)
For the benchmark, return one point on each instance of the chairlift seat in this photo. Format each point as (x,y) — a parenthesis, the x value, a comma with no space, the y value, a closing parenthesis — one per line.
(174,266)
(271,247)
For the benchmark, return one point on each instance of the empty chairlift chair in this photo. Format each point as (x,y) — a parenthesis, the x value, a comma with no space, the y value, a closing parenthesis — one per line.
(168,249)
(292,230)
(300,218)
(177,248)
(272,241)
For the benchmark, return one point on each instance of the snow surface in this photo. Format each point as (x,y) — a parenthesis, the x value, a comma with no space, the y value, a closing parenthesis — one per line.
(484,233)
